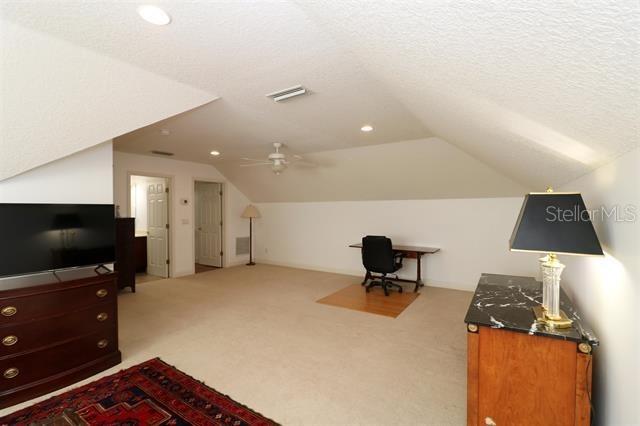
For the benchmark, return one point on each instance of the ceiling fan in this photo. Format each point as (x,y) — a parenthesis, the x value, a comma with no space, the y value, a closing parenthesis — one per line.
(277,160)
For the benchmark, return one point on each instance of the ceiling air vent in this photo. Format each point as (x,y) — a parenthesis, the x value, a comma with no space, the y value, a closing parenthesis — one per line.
(165,153)
(281,95)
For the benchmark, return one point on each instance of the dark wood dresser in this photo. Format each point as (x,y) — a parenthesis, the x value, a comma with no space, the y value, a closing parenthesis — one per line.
(518,371)
(126,252)
(140,249)
(55,329)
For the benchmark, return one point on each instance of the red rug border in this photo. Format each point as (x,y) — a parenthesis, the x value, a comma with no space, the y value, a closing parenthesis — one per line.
(106,378)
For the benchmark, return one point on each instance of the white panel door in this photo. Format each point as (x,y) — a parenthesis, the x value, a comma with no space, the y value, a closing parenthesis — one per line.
(208,224)
(157,221)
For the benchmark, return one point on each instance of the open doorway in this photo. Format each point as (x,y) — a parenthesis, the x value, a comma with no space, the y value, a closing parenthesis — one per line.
(149,205)
(207,225)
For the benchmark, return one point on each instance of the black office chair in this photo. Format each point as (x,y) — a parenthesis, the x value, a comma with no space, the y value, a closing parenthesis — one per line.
(378,257)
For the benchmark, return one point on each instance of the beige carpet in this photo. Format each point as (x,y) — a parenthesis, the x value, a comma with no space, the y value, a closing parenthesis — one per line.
(256,334)
(145,278)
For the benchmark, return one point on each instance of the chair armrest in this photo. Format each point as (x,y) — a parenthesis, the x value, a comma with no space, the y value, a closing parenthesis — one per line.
(398,256)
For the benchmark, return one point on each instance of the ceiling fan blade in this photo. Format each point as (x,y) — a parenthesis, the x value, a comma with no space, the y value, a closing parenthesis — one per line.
(305,164)
(268,163)
(262,160)
(299,161)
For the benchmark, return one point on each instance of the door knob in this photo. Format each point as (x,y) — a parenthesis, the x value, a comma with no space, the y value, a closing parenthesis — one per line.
(489,421)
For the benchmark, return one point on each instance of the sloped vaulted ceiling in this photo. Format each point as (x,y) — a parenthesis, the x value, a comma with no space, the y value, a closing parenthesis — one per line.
(541,92)
(57,98)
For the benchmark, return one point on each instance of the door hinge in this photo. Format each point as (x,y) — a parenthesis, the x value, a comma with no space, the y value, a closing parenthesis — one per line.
(168,262)
(220,193)
(221,253)
(220,223)
(167,226)
(166,190)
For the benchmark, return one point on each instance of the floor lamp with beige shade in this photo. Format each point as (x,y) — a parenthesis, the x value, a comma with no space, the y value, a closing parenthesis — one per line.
(250,212)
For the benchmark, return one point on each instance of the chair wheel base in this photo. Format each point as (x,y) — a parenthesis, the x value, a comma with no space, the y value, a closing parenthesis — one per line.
(386,286)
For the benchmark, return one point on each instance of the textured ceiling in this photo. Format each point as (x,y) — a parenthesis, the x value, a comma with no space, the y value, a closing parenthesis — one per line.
(541,91)
(57,98)
(241,51)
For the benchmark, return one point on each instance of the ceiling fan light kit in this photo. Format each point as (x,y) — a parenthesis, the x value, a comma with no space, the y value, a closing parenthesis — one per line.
(278,167)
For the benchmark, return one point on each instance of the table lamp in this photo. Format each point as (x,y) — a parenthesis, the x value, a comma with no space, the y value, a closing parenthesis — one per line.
(250,212)
(554,223)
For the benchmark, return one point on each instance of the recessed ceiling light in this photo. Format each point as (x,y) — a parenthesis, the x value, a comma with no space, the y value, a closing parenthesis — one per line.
(153,14)
(366,128)
(215,153)
(165,132)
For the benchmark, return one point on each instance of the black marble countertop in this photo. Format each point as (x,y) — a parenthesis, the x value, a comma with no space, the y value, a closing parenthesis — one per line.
(505,301)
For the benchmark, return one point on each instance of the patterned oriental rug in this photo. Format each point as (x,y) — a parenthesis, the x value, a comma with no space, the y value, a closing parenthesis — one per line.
(151,393)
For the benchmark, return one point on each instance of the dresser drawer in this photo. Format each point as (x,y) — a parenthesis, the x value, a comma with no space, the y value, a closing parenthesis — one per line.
(25,369)
(45,302)
(25,336)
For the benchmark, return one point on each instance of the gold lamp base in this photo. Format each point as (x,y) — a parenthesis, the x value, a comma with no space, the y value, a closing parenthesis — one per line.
(541,316)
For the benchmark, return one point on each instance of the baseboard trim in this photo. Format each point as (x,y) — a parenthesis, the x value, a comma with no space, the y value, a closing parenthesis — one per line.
(428,282)
(310,267)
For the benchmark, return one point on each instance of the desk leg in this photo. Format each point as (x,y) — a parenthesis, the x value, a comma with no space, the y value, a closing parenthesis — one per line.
(419,282)
(367,276)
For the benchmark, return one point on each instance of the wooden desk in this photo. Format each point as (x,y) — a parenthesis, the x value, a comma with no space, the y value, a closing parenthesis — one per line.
(410,252)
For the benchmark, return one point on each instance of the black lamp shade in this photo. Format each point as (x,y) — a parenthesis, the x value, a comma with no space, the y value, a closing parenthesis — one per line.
(555,223)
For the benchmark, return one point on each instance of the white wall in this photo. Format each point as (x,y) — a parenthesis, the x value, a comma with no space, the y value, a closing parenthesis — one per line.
(57,98)
(84,177)
(472,233)
(607,289)
(183,174)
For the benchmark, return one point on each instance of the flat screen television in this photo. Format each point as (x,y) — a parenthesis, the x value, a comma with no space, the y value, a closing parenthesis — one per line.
(44,237)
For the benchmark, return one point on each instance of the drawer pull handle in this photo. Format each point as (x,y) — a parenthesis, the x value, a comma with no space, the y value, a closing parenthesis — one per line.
(10,373)
(8,311)
(102,316)
(489,421)
(102,292)
(10,340)
(585,348)
(103,343)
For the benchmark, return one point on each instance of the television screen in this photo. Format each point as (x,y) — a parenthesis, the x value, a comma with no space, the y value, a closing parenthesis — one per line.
(42,237)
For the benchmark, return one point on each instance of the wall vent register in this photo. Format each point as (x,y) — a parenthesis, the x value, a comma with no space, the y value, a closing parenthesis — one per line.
(165,153)
(242,245)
